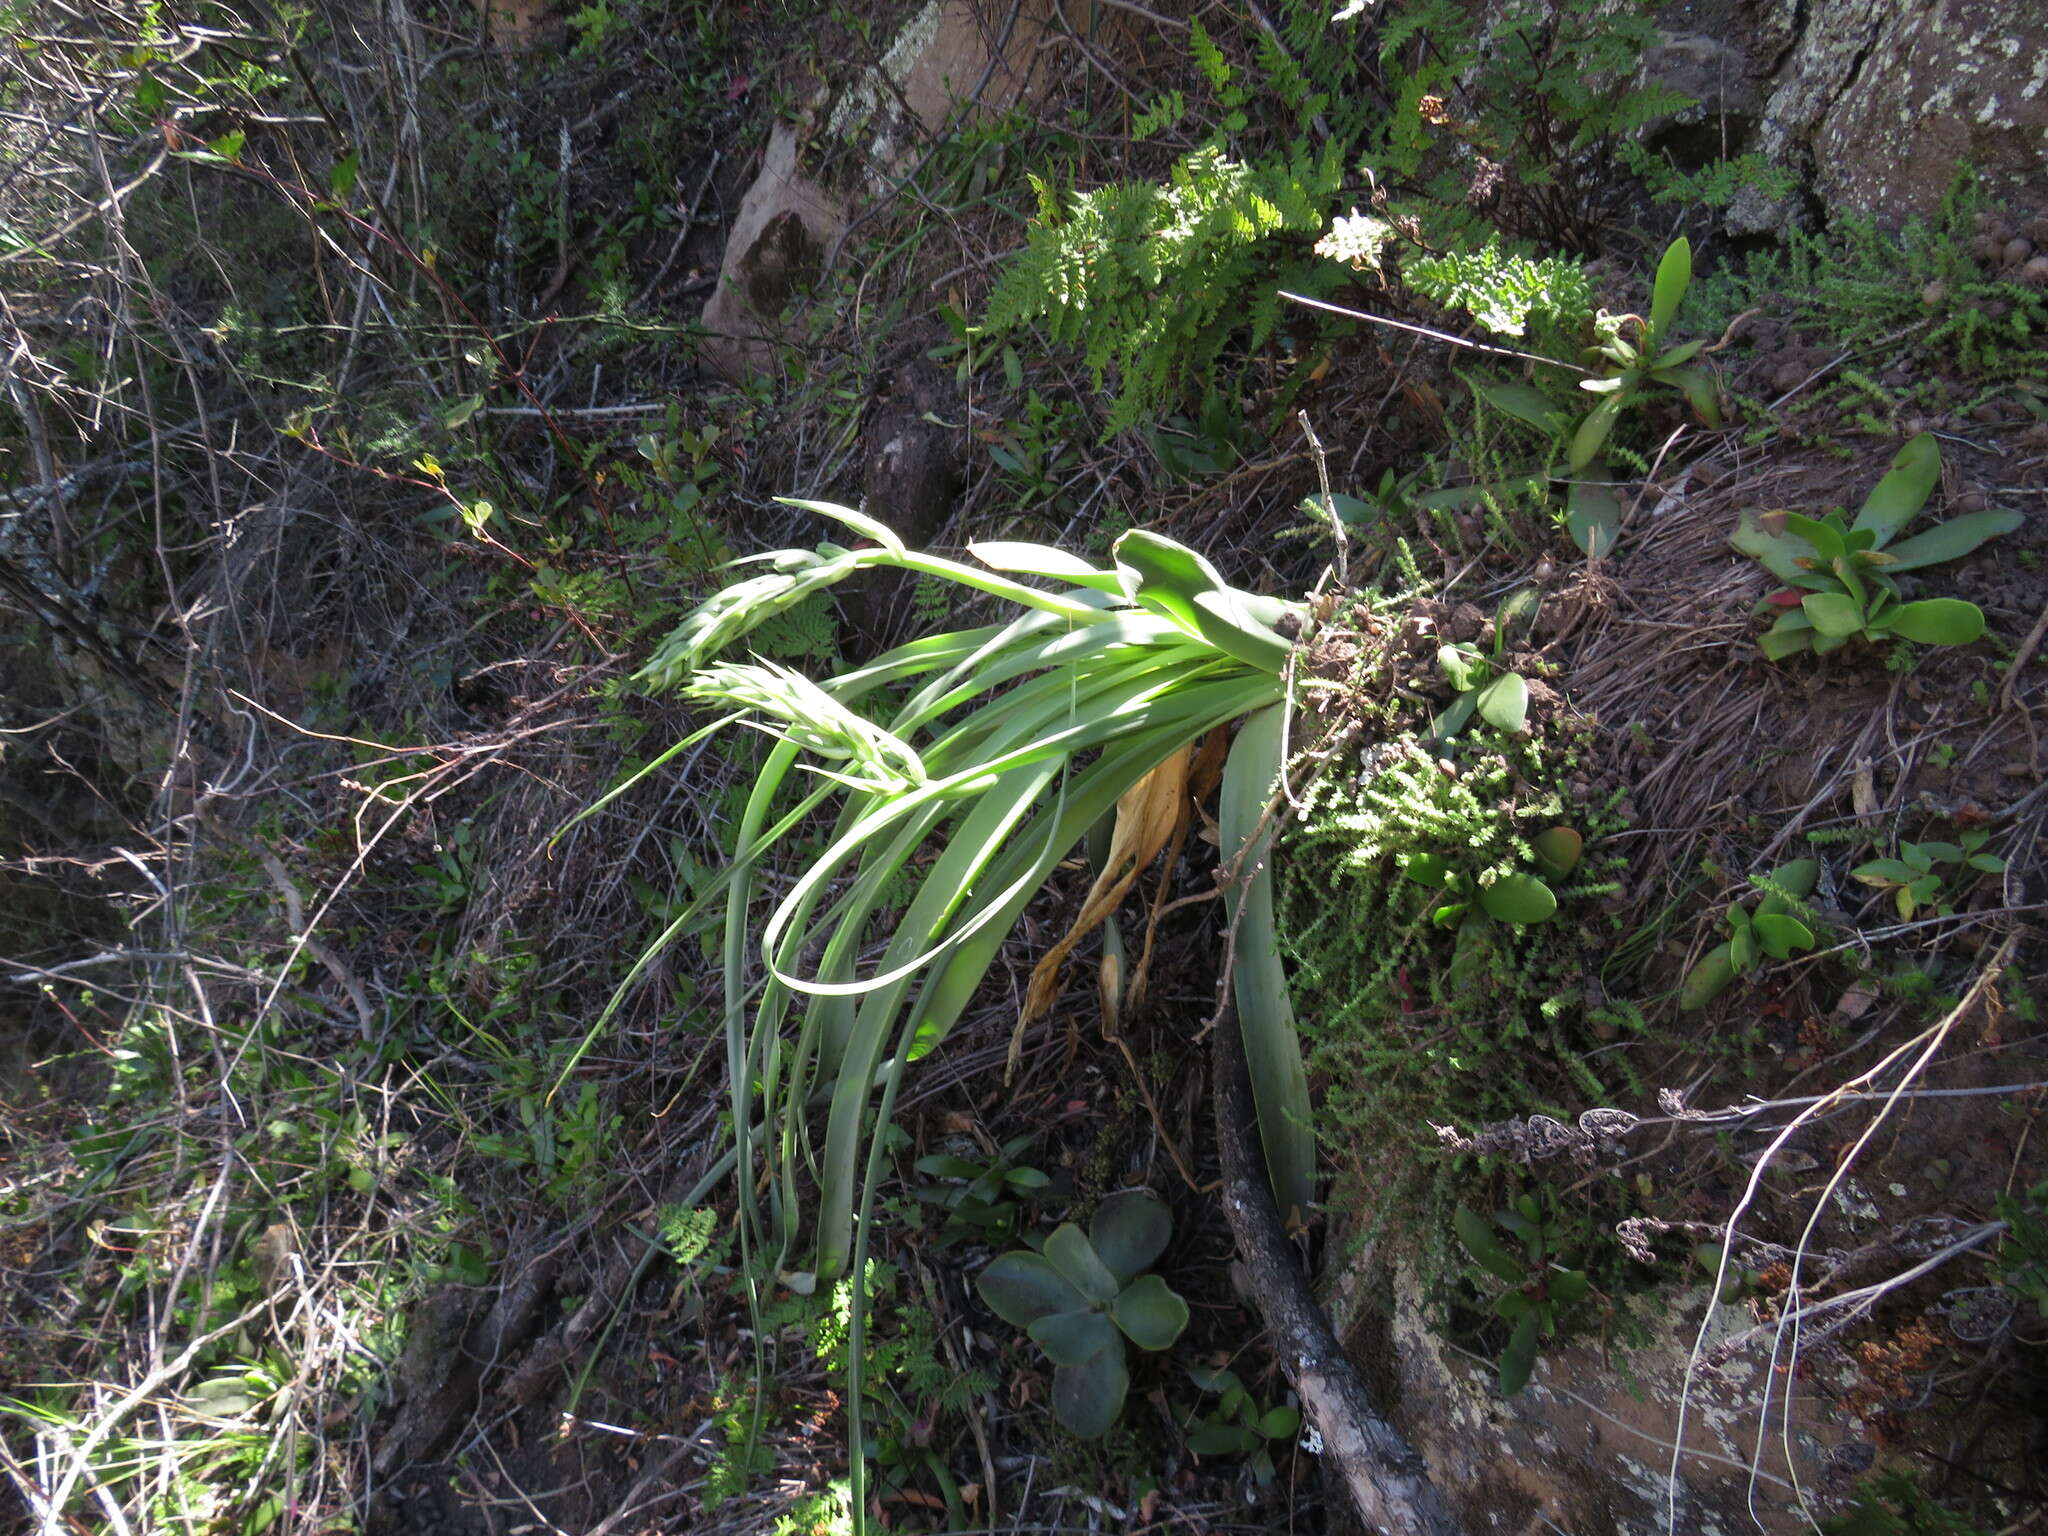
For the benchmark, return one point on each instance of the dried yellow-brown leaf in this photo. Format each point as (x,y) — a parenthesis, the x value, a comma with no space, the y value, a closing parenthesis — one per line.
(1147,815)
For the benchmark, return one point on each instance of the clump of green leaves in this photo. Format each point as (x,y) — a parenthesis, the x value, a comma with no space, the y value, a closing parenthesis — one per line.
(1539,1285)
(982,1199)
(1515,896)
(1484,686)
(1771,930)
(1919,876)
(1631,353)
(1084,1296)
(1237,1426)
(1840,576)
(1155,280)
(2023,1254)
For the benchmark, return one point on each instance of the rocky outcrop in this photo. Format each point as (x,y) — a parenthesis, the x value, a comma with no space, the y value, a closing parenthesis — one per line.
(1872,104)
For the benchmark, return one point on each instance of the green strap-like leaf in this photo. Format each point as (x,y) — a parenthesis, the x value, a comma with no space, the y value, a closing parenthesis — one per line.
(1259,980)
(1175,581)
(1903,491)
(1950,540)
(1674,276)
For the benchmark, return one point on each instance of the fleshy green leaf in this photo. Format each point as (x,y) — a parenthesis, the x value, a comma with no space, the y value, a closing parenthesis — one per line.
(1903,491)
(1518,898)
(1527,403)
(1150,1313)
(1558,851)
(1593,517)
(1281,1423)
(1699,389)
(1461,666)
(1567,1287)
(1129,1232)
(1777,553)
(1429,869)
(1504,702)
(1826,542)
(1785,639)
(1077,1261)
(1518,1360)
(1708,978)
(1475,1232)
(1073,1338)
(1223,1440)
(1794,879)
(1951,540)
(1023,1287)
(1937,621)
(1674,276)
(1780,935)
(1835,614)
(1593,432)
(1087,1398)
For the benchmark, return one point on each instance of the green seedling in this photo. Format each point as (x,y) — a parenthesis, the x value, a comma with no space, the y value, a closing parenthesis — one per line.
(1396,497)
(1084,1296)
(1539,1286)
(1630,355)
(1237,1426)
(1839,576)
(1916,877)
(2023,1252)
(1515,897)
(1771,930)
(1485,687)
(982,1200)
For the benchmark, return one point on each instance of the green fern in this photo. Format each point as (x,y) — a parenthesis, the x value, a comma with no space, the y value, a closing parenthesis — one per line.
(1507,292)
(1155,281)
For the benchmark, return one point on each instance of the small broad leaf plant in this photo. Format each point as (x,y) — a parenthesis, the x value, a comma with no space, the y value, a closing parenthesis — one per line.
(1484,687)
(1921,874)
(1629,355)
(1772,929)
(1539,1287)
(1237,1426)
(1838,575)
(1084,1297)
(1518,896)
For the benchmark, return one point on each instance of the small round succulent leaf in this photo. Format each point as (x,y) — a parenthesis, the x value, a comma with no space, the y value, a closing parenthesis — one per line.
(1129,1232)
(1075,1258)
(1088,1398)
(1073,1338)
(1022,1287)
(1151,1313)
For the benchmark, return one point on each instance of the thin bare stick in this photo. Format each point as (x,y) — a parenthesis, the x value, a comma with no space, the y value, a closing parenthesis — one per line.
(1434,335)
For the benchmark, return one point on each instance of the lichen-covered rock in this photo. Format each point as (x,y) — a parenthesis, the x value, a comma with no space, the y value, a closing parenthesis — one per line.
(1875,103)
